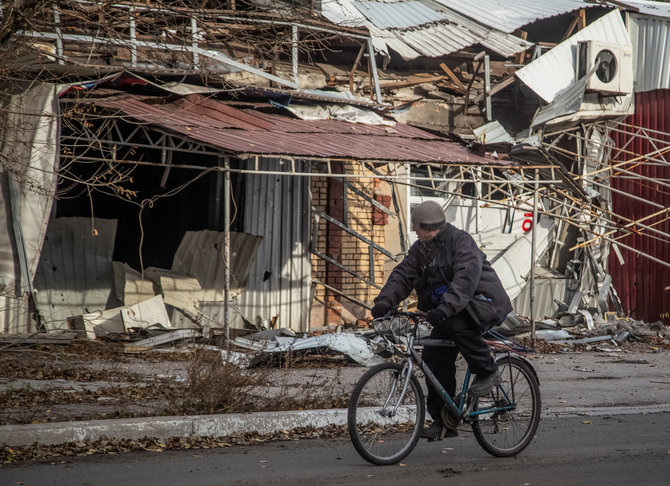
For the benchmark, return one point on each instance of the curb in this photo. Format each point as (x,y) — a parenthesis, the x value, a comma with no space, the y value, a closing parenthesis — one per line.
(163,428)
(222,425)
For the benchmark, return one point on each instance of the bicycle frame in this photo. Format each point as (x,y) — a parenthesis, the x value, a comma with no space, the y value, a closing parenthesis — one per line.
(457,410)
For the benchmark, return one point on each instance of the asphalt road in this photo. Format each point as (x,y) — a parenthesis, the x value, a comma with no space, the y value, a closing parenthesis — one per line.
(568,450)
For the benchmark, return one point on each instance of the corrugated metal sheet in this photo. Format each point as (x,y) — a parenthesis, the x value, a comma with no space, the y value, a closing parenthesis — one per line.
(279,284)
(200,254)
(492,132)
(509,15)
(657,8)
(441,39)
(554,71)
(641,283)
(545,291)
(262,133)
(651,51)
(399,15)
(75,274)
(392,27)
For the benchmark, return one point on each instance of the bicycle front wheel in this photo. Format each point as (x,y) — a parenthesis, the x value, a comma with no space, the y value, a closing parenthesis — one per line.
(514,410)
(384,423)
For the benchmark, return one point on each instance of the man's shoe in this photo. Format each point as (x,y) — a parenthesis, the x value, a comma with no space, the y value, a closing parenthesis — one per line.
(437,431)
(482,386)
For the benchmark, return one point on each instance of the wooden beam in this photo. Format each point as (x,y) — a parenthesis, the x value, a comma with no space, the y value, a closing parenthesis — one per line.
(413,81)
(354,67)
(578,21)
(495,89)
(453,77)
(521,57)
(480,60)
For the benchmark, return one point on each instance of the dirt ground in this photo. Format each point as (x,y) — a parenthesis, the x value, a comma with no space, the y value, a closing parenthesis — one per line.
(84,380)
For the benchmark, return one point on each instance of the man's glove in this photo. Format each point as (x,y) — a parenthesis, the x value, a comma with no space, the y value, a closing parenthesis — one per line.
(380,309)
(436,317)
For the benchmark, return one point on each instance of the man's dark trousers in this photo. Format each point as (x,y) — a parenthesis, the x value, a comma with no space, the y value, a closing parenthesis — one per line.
(441,360)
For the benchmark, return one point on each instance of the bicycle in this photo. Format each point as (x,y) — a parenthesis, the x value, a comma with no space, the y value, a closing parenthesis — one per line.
(387,407)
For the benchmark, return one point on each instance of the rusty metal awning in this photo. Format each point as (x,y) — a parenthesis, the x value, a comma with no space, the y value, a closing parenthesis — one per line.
(246,130)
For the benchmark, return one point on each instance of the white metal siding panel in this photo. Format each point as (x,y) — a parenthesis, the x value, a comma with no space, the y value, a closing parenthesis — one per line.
(28,143)
(437,40)
(279,285)
(513,267)
(651,52)
(554,71)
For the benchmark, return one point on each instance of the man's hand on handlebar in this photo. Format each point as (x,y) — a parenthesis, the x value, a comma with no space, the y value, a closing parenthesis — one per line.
(380,309)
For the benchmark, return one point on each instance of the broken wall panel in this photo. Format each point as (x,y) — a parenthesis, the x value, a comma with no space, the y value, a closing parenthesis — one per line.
(514,266)
(28,142)
(548,289)
(75,273)
(179,290)
(201,254)
(99,323)
(129,286)
(149,313)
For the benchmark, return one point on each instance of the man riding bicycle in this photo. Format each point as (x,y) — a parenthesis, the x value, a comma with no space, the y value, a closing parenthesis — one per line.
(463,298)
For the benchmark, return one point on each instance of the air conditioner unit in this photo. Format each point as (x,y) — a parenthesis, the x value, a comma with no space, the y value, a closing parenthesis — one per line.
(613,66)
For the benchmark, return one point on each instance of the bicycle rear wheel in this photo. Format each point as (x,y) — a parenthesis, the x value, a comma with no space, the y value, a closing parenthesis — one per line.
(383,424)
(506,433)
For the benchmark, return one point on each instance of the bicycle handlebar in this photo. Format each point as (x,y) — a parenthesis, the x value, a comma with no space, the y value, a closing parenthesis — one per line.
(497,340)
(412,315)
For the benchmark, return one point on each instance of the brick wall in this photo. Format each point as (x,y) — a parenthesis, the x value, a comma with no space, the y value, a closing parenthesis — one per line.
(362,217)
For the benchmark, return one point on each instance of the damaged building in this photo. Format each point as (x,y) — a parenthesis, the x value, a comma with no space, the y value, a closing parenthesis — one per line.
(253,167)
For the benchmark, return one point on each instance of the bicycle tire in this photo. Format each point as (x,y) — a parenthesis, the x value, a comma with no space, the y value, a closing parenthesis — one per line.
(377,437)
(505,434)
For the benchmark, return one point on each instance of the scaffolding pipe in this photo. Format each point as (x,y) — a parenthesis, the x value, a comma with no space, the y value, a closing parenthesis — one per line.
(294,53)
(532,257)
(226,247)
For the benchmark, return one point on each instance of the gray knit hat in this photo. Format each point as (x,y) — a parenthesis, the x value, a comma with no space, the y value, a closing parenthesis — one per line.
(428,216)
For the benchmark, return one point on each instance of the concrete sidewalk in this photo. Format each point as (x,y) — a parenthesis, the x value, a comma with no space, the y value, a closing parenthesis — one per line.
(589,383)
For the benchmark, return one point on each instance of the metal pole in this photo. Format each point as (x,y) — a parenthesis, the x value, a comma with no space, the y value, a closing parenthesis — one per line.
(194,41)
(133,38)
(294,53)
(532,258)
(478,193)
(487,87)
(59,35)
(226,245)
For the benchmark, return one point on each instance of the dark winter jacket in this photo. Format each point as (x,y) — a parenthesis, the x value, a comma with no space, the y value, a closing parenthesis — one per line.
(451,273)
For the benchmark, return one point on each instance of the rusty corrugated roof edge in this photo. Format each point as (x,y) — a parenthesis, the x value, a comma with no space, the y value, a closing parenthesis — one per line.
(278,134)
